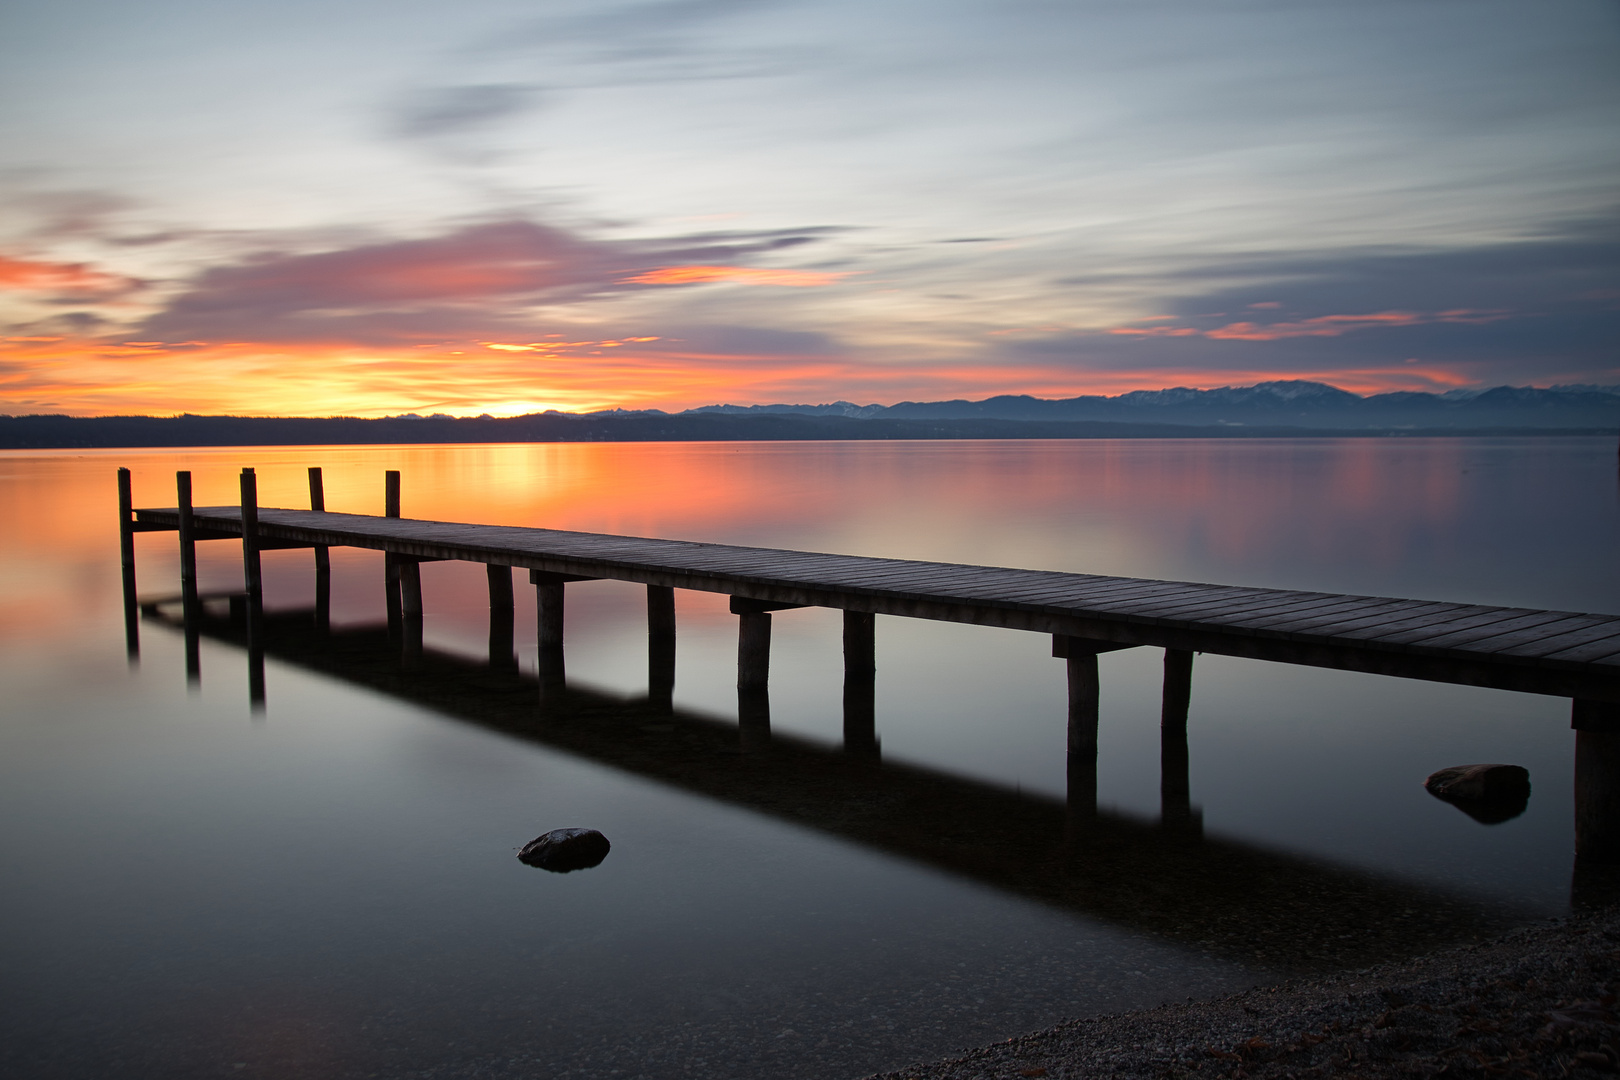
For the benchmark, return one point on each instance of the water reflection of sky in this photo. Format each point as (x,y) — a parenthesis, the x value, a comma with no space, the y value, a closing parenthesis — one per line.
(338,861)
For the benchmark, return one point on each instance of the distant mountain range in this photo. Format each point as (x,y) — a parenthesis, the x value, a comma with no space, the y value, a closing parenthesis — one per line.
(1292,403)
(1268,409)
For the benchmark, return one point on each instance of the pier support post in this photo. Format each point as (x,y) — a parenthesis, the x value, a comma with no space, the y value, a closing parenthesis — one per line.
(1597,781)
(251,571)
(753,650)
(126,560)
(410,587)
(860,684)
(410,608)
(323,557)
(548,595)
(1084,691)
(1175,792)
(500,586)
(754,670)
(661,647)
(502,613)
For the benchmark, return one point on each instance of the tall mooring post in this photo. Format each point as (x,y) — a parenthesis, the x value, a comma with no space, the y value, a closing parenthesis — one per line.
(252,573)
(253,576)
(391,562)
(126,560)
(191,606)
(323,556)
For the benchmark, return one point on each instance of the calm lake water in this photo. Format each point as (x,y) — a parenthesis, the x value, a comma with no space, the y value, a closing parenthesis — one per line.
(328,887)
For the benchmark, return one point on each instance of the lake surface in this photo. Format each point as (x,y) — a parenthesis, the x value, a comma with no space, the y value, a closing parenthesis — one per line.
(327,887)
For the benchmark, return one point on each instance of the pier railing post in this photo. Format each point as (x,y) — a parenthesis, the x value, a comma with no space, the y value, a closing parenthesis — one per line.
(251,571)
(126,562)
(860,684)
(323,557)
(661,647)
(1175,791)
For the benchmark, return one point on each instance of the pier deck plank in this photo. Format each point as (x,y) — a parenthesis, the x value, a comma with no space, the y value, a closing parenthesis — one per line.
(1569,654)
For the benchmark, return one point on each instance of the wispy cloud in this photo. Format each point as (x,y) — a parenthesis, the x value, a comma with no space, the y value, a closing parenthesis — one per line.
(1318,326)
(465,284)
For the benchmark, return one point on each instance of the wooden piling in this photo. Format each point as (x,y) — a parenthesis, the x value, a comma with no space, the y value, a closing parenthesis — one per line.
(1084,689)
(502,618)
(1597,781)
(753,650)
(188,536)
(126,521)
(391,595)
(126,560)
(860,684)
(323,556)
(1175,793)
(500,586)
(410,588)
(548,597)
(251,570)
(503,636)
(661,647)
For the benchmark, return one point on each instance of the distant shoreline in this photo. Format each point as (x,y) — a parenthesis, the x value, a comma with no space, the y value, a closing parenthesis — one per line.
(106,432)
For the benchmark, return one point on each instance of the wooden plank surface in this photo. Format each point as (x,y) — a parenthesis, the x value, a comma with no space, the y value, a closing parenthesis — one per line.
(1308,626)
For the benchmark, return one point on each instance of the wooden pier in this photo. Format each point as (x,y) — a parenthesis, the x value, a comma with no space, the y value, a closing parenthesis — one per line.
(1565,654)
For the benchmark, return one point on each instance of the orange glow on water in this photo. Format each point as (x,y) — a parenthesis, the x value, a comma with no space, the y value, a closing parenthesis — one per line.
(1242,511)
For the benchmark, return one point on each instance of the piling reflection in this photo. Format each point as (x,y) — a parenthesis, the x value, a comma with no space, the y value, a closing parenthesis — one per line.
(1218,896)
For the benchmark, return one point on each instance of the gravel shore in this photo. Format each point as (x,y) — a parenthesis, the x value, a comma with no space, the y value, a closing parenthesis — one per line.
(1537,1002)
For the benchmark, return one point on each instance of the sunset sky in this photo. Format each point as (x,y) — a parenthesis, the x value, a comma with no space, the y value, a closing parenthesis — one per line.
(367,207)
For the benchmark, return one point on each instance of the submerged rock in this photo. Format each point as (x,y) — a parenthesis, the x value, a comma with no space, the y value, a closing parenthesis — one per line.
(1487,793)
(564,850)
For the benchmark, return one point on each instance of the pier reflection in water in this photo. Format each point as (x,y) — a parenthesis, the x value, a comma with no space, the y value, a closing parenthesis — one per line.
(1228,899)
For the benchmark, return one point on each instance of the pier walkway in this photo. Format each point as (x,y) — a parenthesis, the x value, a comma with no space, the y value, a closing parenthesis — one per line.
(1566,654)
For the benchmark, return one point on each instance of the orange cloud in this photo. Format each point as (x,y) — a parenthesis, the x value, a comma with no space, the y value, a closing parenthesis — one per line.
(698,275)
(27,275)
(1321,326)
(83,377)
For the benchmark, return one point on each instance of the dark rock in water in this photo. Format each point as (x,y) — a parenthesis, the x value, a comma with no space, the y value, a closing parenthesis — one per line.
(563,850)
(1489,794)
